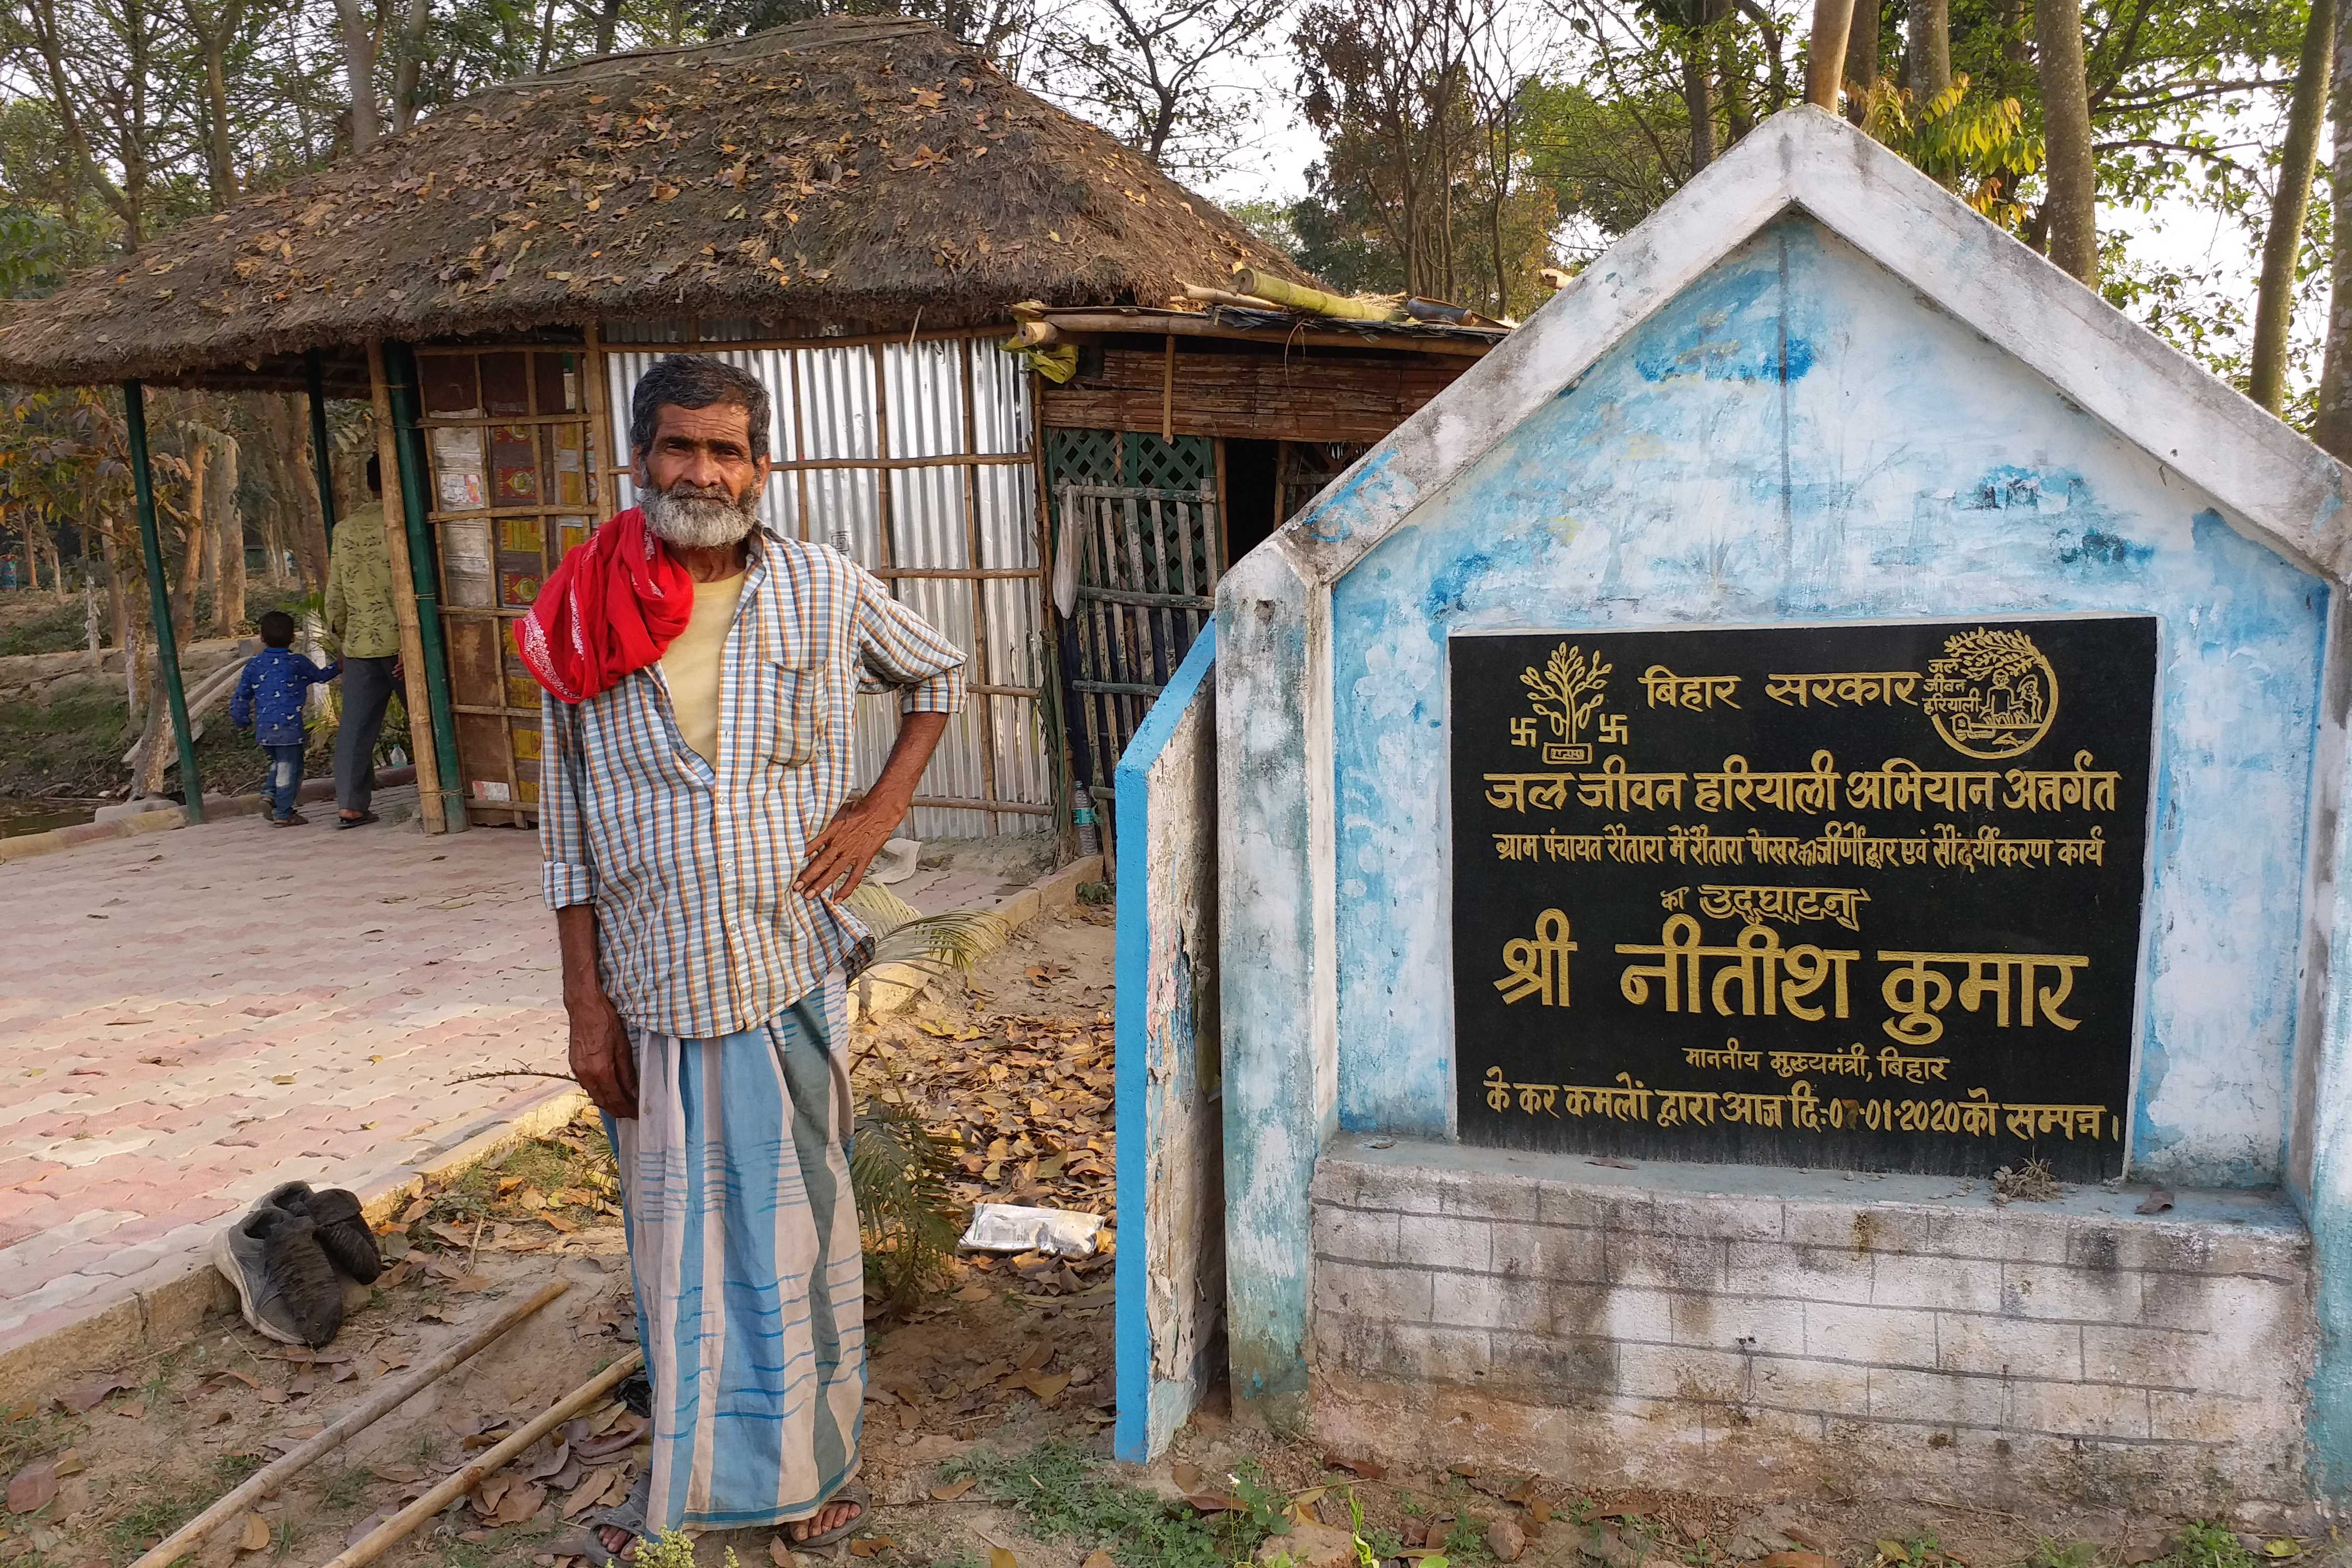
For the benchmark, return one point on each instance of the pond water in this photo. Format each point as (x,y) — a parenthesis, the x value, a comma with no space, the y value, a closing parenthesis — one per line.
(20,815)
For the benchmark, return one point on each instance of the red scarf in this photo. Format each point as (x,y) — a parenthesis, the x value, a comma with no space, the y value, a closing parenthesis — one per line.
(610,606)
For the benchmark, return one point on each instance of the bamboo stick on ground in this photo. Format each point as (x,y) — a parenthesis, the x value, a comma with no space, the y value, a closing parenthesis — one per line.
(393,1530)
(380,1403)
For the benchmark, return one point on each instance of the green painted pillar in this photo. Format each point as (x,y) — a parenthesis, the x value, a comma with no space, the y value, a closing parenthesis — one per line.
(318,464)
(159,597)
(408,444)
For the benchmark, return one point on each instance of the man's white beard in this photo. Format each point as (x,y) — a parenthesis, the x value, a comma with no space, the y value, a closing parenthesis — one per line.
(699,519)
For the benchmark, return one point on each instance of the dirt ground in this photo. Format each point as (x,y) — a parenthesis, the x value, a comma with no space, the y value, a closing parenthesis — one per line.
(989,1401)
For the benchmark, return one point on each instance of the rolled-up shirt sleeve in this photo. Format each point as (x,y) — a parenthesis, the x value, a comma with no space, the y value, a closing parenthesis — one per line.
(567,874)
(899,650)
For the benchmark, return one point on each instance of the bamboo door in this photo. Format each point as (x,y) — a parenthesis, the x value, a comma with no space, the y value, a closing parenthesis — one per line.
(1145,563)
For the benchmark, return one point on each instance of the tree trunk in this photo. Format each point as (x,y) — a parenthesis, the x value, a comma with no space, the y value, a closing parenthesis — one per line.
(193,535)
(2332,428)
(118,610)
(228,546)
(607,19)
(411,68)
(1861,54)
(1929,68)
(212,36)
(2282,246)
(2072,206)
(359,72)
(1699,101)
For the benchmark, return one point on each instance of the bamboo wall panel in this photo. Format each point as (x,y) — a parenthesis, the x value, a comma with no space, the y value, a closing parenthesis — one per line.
(1300,396)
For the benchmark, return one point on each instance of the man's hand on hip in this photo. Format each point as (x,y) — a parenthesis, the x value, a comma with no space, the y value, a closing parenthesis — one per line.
(848,845)
(602,1058)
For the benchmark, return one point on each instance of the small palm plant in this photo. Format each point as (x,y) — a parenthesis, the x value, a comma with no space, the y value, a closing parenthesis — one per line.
(899,1168)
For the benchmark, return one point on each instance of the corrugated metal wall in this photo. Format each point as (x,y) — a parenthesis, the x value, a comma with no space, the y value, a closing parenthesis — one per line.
(912,457)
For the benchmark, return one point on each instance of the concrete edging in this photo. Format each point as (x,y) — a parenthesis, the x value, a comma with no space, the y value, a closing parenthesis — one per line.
(164,1315)
(894,987)
(216,806)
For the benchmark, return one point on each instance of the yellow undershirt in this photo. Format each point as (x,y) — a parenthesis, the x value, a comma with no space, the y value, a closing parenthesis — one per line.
(690,664)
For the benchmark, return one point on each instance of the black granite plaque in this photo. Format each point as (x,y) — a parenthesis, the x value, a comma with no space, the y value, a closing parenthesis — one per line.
(1858,895)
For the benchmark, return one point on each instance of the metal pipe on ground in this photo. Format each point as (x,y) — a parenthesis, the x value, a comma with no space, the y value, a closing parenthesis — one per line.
(378,1404)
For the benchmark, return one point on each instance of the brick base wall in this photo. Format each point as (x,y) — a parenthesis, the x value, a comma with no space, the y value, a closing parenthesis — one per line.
(1731,1327)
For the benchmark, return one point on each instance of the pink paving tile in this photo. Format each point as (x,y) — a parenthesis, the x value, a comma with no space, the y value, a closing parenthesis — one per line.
(426,993)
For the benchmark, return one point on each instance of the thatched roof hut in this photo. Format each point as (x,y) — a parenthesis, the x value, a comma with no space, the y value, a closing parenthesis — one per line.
(848,207)
(834,176)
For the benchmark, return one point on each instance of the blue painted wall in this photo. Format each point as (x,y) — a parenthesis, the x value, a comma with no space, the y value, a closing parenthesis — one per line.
(1798,438)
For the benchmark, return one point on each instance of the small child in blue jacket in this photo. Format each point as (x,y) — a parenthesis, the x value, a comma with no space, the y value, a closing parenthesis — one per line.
(270,698)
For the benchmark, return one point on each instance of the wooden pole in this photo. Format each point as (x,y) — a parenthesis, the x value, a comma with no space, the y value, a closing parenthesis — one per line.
(419,700)
(415,485)
(386,1398)
(1168,391)
(159,598)
(390,1533)
(318,463)
(1825,57)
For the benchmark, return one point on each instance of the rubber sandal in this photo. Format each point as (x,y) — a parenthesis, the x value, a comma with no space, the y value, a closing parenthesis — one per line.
(628,1514)
(361,820)
(852,1493)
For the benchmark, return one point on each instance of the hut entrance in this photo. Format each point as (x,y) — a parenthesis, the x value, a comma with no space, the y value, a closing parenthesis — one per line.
(1143,564)
(508,436)
(1140,544)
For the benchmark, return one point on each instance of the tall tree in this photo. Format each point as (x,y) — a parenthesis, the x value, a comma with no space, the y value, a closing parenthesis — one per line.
(411,67)
(1146,71)
(1381,79)
(2290,203)
(2331,424)
(1928,61)
(213,28)
(2072,205)
(359,71)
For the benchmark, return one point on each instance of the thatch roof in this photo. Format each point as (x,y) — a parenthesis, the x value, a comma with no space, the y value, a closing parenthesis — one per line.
(841,175)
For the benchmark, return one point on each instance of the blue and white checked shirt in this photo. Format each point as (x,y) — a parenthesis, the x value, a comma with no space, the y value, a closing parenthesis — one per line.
(699,929)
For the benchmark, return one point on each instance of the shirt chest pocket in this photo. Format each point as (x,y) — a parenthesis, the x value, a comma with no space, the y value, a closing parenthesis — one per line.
(798,699)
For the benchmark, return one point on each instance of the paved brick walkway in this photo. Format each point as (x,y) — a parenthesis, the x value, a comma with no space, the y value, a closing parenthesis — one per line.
(188,1018)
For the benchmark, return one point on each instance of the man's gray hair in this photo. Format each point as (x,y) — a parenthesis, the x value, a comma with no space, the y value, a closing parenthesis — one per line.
(695,381)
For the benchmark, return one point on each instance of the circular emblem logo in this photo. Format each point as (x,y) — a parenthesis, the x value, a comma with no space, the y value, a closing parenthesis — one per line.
(1991,694)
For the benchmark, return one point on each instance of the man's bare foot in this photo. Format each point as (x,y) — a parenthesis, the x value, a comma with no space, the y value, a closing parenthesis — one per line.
(616,1541)
(831,1516)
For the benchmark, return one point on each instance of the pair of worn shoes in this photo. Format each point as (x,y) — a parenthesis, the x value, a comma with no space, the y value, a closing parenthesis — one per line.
(288,1256)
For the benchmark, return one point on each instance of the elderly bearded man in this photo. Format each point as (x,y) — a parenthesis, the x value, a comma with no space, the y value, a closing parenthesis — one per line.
(700,669)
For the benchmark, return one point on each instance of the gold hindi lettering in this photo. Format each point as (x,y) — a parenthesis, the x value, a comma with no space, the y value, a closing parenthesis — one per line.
(1786,906)
(1667,689)
(1918,990)
(2056,791)
(1755,965)
(1859,686)
(1538,967)
(1736,787)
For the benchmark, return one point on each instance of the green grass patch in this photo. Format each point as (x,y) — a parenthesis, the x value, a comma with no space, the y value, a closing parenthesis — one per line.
(2208,1545)
(1060,1490)
(52,631)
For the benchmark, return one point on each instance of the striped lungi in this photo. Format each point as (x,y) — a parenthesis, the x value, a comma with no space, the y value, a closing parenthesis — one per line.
(743,1247)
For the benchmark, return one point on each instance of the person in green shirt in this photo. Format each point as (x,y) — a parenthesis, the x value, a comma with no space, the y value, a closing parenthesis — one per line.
(363,629)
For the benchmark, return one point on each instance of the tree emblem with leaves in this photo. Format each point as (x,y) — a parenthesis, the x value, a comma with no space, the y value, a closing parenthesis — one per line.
(1567,690)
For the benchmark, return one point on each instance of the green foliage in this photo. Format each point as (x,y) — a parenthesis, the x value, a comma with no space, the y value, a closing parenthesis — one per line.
(1976,144)
(2208,1544)
(899,1170)
(1060,1490)
(673,1549)
(2049,1553)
